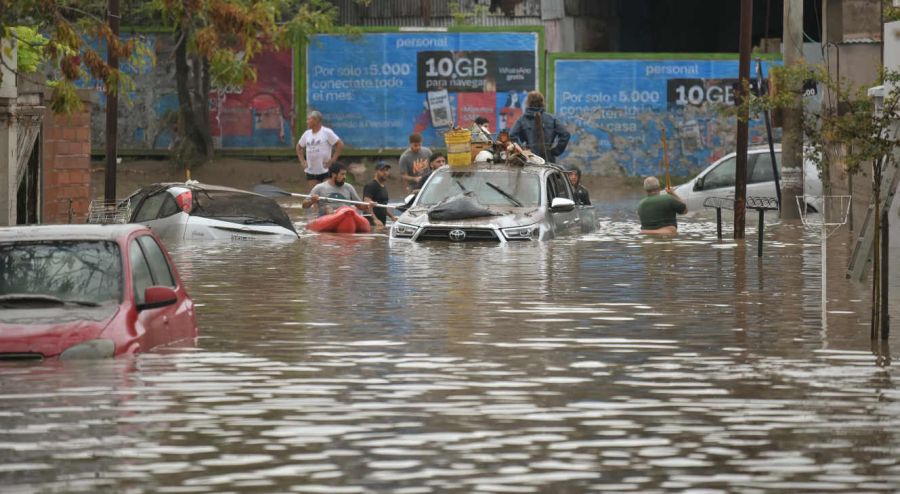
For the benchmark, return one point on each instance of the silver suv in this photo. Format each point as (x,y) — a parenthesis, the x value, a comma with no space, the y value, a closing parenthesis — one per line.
(530,202)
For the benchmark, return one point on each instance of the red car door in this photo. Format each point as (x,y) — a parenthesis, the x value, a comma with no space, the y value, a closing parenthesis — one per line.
(180,315)
(152,325)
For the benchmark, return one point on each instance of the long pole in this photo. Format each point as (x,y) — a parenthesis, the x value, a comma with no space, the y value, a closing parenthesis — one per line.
(792,139)
(112,106)
(824,243)
(885,275)
(759,82)
(666,158)
(740,178)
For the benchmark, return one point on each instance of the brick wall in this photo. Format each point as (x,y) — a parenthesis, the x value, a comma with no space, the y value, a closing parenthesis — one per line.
(67,167)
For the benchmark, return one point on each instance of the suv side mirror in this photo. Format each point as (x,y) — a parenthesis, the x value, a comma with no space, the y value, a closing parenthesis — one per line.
(698,184)
(561,204)
(157,296)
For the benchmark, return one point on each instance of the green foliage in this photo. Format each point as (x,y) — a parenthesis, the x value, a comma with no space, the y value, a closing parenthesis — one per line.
(65,25)
(464,18)
(30,47)
(64,97)
(891,13)
(847,119)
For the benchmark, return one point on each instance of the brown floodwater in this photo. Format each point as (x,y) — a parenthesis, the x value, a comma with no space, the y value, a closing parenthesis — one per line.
(356,364)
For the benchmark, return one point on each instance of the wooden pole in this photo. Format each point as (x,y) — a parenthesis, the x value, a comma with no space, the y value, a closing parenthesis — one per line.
(740,178)
(666,158)
(112,106)
(885,317)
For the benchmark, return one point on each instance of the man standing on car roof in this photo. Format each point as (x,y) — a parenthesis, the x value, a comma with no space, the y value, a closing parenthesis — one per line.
(318,148)
(657,211)
(543,133)
(334,188)
(376,191)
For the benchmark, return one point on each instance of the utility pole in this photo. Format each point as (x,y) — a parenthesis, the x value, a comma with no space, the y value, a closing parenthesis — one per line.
(112,105)
(740,169)
(792,140)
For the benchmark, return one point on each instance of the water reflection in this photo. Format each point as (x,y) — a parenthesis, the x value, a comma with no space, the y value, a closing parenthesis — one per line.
(611,362)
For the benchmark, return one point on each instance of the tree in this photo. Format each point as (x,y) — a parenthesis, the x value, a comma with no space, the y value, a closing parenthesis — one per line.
(848,130)
(215,42)
(64,24)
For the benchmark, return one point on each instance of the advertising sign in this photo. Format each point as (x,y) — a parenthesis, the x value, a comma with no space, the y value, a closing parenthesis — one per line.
(617,110)
(375,89)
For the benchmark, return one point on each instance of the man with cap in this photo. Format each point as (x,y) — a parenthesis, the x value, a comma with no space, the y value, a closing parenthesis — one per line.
(376,191)
(657,211)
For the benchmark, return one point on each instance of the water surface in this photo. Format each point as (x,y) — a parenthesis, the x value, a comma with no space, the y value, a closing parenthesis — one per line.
(606,363)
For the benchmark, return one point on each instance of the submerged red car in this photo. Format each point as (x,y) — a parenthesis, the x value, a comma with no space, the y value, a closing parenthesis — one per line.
(88,291)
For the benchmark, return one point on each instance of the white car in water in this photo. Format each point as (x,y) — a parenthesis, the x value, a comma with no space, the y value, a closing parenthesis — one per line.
(195,211)
(489,202)
(717,180)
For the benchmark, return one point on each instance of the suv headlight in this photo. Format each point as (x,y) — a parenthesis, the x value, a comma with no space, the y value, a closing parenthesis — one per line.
(521,232)
(402,230)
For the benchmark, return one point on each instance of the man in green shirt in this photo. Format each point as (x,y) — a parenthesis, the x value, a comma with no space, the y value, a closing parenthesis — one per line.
(657,212)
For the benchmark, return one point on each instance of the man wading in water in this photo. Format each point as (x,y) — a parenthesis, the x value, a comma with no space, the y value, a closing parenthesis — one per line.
(657,212)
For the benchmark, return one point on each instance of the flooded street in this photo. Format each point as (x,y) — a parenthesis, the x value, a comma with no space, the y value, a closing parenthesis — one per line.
(606,363)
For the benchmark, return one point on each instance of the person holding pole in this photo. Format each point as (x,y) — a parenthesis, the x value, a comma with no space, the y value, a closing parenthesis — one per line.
(657,211)
(376,191)
(334,188)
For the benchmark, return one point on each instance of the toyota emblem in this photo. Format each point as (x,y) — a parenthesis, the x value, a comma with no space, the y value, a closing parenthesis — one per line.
(457,235)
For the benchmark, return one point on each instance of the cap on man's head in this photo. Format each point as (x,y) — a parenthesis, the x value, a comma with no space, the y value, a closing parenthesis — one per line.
(381,165)
(481,120)
(651,184)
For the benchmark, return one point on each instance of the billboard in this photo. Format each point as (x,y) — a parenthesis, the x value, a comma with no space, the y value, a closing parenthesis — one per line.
(617,110)
(375,89)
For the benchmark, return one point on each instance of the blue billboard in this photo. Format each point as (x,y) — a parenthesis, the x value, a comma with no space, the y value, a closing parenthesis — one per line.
(618,109)
(375,89)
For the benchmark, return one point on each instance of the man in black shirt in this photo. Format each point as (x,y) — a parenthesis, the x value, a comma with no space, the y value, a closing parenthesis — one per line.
(377,191)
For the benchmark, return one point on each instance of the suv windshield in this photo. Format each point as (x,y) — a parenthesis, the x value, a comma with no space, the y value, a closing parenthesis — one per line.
(71,271)
(504,187)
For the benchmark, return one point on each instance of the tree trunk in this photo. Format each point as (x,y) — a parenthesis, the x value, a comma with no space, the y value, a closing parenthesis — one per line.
(194,144)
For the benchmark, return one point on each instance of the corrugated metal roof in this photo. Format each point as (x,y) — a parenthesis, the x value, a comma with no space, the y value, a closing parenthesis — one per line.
(410,13)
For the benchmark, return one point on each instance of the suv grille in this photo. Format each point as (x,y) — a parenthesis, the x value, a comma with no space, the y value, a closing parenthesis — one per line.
(472,234)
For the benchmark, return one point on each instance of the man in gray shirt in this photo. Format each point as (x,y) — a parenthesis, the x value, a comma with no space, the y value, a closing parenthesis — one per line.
(413,161)
(334,188)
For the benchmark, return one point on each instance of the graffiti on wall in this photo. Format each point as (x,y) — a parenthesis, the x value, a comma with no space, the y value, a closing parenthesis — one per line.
(146,109)
(375,89)
(618,109)
(258,115)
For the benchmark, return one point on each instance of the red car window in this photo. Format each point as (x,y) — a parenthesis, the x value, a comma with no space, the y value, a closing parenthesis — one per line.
(159,267)
(140,271)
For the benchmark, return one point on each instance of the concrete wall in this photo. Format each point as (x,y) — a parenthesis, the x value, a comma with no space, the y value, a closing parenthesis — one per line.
(66,174)
(853,53)
(8,134)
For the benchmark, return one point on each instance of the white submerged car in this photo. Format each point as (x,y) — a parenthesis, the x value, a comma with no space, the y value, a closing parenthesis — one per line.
(195,211)
(717,180)
(494,203)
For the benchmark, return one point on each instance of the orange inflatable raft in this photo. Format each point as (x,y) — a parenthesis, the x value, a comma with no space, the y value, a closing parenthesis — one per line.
(344,220)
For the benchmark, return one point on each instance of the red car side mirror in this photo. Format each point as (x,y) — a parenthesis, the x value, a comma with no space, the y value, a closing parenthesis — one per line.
(158,296)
